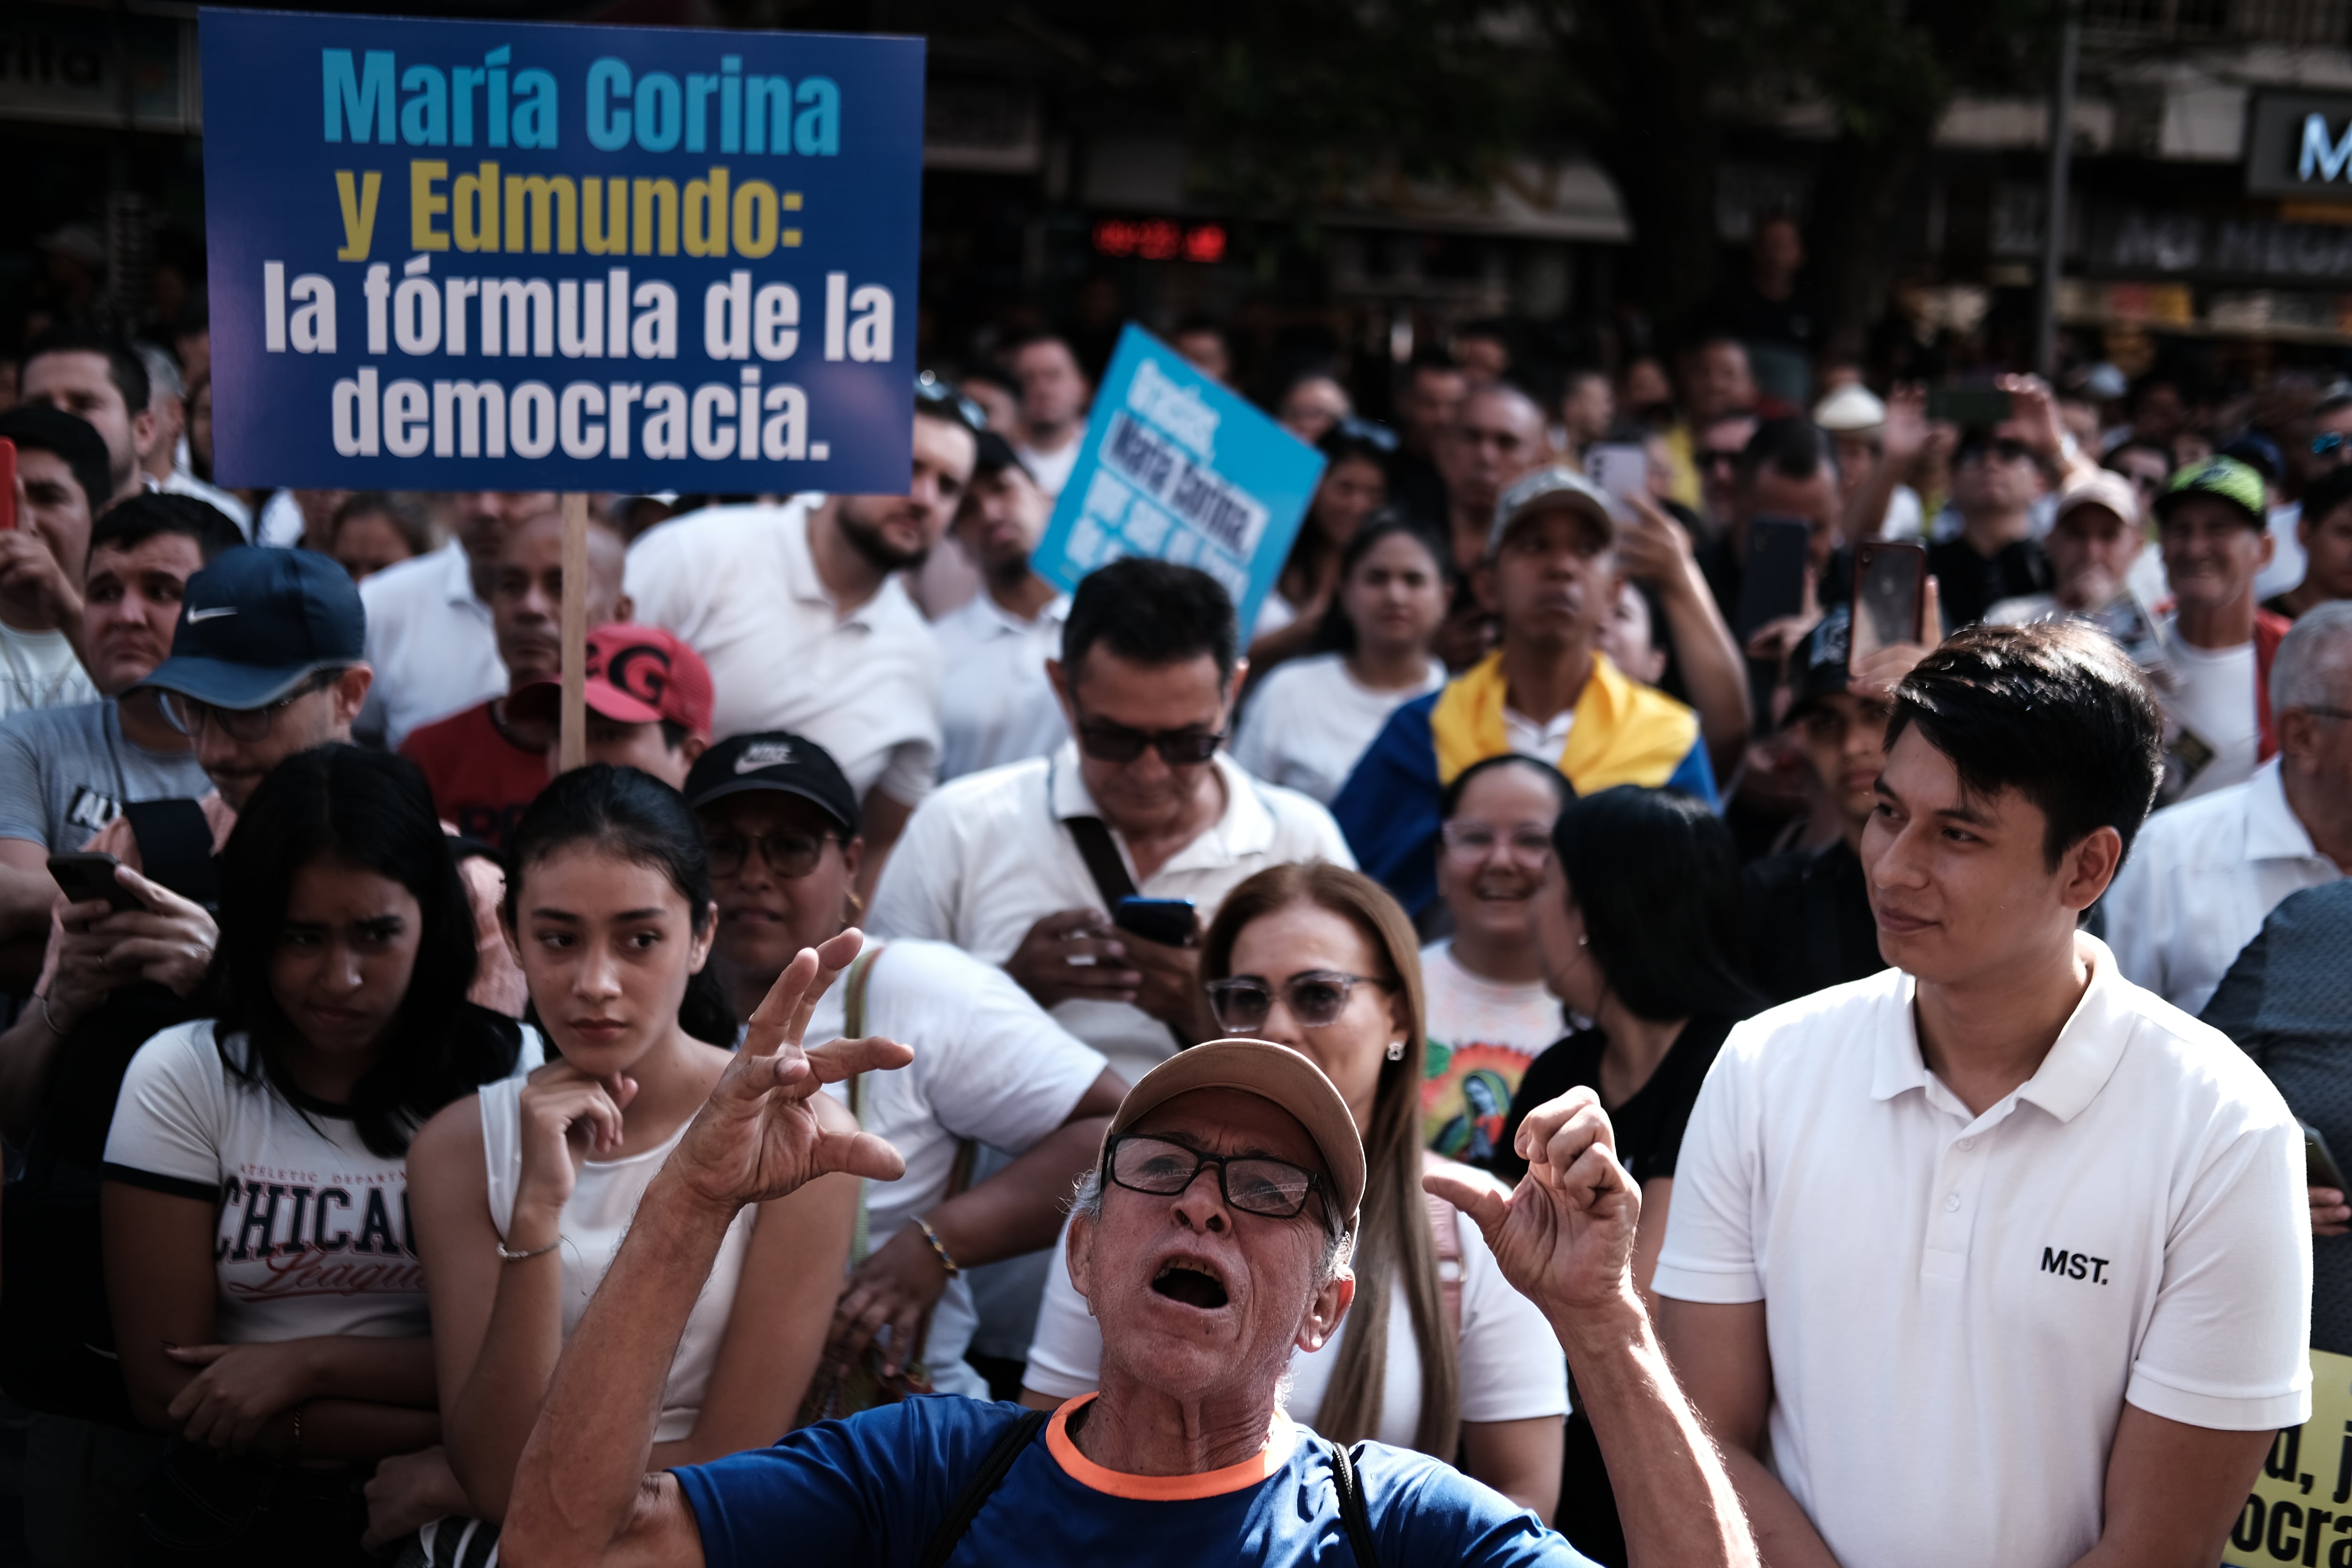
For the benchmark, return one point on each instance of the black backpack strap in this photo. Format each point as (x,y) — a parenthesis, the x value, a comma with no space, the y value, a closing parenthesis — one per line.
(1353,1514)
(993,1467)
(176,848)
(1101,855)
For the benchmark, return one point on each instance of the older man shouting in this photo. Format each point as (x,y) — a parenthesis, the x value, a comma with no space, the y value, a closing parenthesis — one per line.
(1214,1239)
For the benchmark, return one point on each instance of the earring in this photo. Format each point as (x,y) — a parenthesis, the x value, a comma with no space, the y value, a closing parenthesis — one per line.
(1396,1050)
(856,907)
(1584,942)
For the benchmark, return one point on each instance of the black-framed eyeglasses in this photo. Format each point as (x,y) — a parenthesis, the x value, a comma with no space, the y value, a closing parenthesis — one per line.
(1243,1002)
(2006,449)
(192,716)
(1254,1183)
(937,396)
(1108,742)
(790,855)
(1528,845)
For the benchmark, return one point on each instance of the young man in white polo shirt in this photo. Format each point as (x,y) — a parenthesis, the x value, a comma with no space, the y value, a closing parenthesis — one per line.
(801,614)
(1993,1257)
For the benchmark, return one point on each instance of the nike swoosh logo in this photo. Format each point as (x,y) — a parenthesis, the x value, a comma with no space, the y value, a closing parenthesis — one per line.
(211,614)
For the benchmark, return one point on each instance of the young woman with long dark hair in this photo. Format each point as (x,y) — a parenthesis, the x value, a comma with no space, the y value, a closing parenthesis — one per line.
(1638,924)
(524,1191)
(268,1298)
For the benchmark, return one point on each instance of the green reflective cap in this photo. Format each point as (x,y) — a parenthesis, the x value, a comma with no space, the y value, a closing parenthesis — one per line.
(2225,478)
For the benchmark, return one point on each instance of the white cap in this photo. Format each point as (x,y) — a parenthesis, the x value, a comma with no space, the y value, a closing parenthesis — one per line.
(1850,410)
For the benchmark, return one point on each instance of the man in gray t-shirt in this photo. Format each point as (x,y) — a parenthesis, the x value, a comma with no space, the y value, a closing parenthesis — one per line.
(65,773)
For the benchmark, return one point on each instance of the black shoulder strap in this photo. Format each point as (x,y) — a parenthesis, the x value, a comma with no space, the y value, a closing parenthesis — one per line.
(176,848)
(1101,855)
(1353,1514)
(993,1467)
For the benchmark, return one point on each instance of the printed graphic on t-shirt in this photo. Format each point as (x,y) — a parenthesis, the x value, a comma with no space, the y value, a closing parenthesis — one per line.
(90,809)
(1465,1094)
(287,1233)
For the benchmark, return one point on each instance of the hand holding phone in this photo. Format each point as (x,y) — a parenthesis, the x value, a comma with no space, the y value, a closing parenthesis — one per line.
(1772,578)
(1621,469)
(1969,408)
(87,876)
(1171,922)
(1890,597)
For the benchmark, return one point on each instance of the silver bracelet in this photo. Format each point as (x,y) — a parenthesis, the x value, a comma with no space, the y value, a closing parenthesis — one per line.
(512,1257)
(48,1019)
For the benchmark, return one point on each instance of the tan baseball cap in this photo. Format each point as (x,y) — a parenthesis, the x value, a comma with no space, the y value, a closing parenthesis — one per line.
(1272,1072)
(1554,487)
(2105,489)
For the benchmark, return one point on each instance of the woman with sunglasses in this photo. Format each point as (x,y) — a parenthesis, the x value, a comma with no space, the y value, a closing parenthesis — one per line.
(524,1191)
(1439,1353)
(268,1298)
(1306,723)
(1355,484)
(1489,1013)
(1637,924)
(991,1070)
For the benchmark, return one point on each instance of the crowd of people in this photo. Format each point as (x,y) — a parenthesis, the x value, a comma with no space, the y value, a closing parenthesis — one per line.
(1683,1083)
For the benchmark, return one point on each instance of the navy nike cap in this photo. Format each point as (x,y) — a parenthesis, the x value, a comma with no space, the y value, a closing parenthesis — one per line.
(258,622)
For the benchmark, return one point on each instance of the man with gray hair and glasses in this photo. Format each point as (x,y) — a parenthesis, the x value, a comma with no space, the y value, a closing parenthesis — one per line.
(2206,872)
(1204,1288)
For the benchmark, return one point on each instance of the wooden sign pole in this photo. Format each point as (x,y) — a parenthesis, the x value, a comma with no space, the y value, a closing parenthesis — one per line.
(573,744)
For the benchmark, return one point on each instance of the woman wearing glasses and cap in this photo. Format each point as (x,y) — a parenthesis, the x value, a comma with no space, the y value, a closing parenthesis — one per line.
(990,1068)
(1438,1353)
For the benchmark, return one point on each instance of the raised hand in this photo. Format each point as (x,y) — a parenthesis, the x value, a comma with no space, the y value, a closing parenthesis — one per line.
(759,1136)
(1564,1237)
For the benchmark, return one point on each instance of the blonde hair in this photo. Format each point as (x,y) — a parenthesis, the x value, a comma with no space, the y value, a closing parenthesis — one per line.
(1393,1238)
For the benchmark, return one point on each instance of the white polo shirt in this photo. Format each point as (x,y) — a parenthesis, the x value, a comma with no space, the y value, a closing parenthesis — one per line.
(430,643)
(737,584)
(995,704)
(2201,877)
(986,858)
(1958,1306)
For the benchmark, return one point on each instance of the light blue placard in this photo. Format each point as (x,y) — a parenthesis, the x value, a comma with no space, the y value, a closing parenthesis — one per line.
(459,255)
(1176,466)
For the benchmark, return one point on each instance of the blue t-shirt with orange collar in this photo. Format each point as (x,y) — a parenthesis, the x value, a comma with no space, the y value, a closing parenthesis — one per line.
(873,1488)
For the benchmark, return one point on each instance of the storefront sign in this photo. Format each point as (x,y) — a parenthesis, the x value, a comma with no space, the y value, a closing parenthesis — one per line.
(1176,466)
(2300,145)
(504,256)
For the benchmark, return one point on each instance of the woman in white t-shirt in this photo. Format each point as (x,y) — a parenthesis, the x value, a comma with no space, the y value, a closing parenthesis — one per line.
(524,1192)
(991,1067)
(268,1298)
(1306,723)
(1355,485)
(1489,1013)
(1439,1353)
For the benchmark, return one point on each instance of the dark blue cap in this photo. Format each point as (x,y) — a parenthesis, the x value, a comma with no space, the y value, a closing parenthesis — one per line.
(259,621)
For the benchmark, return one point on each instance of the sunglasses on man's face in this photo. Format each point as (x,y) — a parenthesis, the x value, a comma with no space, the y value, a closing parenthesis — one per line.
(1108,742)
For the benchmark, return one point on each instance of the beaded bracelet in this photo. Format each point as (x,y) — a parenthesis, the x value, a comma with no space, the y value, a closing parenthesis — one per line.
(946,1261)
(534,1252)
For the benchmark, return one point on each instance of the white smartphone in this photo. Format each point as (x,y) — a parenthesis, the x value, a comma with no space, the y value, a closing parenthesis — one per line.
(1621,469)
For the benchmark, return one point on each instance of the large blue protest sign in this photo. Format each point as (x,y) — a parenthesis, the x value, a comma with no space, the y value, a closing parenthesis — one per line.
(507,256)
(1176,466)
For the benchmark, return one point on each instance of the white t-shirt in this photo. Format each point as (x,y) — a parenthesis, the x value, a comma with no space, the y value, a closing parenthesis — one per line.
(430,643)
(312,1232)
(1512,1368)
(995,704)
(1958,1307)
(987,858)
(737,584)
(988,1065)
(1482,1035)
(39,670)
(1308,723)
(1051,469)
(2212,698)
